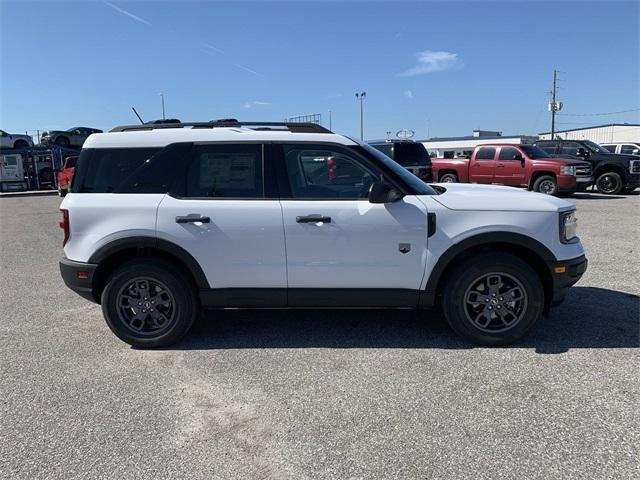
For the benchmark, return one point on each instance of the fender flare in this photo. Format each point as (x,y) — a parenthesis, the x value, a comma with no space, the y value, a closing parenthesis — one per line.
(428,295)
(165,246)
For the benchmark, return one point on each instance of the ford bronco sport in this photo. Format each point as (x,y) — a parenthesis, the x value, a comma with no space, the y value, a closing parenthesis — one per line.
(162,220)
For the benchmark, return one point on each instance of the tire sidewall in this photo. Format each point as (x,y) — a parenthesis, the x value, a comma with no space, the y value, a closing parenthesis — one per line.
(461,278)
(453,178)
(546,178)
(183,293)
(616,177)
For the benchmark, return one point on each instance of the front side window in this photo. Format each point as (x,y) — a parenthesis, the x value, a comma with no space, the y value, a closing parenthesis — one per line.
(534,152)
(226,171)
(486,153)
(509,153)
(327,172)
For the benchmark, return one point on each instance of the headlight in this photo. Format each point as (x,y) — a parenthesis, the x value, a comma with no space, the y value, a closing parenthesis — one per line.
(568,226)
(634,166)
(568,170)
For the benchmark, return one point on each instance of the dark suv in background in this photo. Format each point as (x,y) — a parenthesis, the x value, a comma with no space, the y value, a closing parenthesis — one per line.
(411,155)
(612,172)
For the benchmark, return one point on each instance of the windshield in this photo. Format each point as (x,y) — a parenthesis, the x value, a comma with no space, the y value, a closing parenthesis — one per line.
(595,147)
(419,187)
(534,152)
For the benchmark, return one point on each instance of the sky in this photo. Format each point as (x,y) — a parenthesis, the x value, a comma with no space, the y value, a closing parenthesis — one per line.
(438,68)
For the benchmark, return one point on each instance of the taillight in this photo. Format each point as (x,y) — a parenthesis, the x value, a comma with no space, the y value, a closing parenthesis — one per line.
(64,225)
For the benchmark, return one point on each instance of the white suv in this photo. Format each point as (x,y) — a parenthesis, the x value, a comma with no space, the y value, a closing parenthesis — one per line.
(162,220)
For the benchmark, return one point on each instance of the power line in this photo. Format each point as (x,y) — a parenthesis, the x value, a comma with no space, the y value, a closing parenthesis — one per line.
(597,114)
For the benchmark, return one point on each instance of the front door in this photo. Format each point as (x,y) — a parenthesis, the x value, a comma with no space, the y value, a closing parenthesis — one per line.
(510,167)
(482,165)
(224,219)
(341,249)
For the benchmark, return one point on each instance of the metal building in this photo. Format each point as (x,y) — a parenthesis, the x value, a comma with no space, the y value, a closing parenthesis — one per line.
(609,133)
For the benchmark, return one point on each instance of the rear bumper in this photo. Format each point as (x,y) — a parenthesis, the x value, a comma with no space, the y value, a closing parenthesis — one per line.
(565,274)
(78,276)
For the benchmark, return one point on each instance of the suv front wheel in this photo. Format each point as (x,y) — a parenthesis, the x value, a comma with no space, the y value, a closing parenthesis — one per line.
(493,299)
(149,303)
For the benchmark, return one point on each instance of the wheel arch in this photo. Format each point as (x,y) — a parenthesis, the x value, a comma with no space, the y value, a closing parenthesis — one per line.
(609,167)
(528,249)
(113,254)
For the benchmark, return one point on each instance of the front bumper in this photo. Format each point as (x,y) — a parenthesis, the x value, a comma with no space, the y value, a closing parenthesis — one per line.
(584,180)
(633,180)
(78,276)
(566,273)
(566,183)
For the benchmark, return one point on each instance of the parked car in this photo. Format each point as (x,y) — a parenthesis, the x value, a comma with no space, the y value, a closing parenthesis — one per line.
(65,175)
(411,155)
(73,137)
(207,215)
(626,148)
(613,173)
(15,140)
(11,172)
(515,165)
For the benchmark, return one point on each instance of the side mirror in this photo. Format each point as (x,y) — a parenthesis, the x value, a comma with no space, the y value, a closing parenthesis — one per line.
(518,157)
(383,193)
(582,152)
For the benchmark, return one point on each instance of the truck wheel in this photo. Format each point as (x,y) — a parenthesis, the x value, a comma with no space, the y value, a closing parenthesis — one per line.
(449,178)
(546,184)
(493,299)
(609,183)
(149,303)
(62,141)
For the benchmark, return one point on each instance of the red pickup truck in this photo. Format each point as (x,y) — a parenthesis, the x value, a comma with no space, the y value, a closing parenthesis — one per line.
(515,165)
(65,175)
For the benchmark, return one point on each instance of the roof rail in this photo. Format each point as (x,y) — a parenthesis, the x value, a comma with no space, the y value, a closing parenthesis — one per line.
(294,127)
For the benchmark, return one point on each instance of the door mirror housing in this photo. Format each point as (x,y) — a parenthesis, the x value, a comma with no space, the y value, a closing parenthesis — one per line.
(582,153)
(383,193)
(518,157)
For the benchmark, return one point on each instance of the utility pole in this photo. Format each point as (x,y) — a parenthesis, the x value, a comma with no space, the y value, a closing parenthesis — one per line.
(329,119)
(162,97)
(361,95)
(554,105)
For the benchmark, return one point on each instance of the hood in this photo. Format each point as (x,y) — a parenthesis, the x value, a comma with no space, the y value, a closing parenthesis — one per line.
(471,196)
(564,160)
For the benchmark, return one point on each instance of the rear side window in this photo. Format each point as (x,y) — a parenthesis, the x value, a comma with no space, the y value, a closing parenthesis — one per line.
(486,153)
(226,171)
(104,170)
(611,148)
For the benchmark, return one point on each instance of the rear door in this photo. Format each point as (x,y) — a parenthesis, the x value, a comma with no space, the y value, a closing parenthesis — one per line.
(482,165)
(340,246)
(510,169)
(225,213)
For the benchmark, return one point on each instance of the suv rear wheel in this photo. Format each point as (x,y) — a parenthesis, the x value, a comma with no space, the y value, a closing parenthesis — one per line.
(609,183)
(493,299)
(149,303)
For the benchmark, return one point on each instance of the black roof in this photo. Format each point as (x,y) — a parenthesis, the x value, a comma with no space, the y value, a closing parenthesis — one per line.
(595,126)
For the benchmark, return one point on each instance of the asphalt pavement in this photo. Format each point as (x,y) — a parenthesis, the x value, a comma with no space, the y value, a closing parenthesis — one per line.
(318,393)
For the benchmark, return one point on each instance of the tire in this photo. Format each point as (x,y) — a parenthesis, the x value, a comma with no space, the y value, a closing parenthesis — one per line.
(62,141)
(609,183)
(468,317)
(628,191)
(176,307)
(449,178)
(546,184)
(20,144)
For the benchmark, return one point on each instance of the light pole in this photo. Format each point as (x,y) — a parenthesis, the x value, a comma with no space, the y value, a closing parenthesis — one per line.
(361,95)
(162,97)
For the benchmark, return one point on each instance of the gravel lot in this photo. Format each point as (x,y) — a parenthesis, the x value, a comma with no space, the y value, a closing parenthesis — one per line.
(318,394)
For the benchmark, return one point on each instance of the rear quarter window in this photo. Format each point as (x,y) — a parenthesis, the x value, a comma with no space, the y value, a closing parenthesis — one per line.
(105,170)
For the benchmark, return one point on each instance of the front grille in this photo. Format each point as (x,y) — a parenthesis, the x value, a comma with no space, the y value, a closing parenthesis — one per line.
(583,170)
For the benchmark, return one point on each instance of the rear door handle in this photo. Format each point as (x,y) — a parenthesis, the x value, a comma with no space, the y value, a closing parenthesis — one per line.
(313,219)
(192,219)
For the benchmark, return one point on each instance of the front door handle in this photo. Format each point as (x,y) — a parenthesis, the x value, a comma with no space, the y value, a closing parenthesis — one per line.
(500,165)
(313,219)
(192,219)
